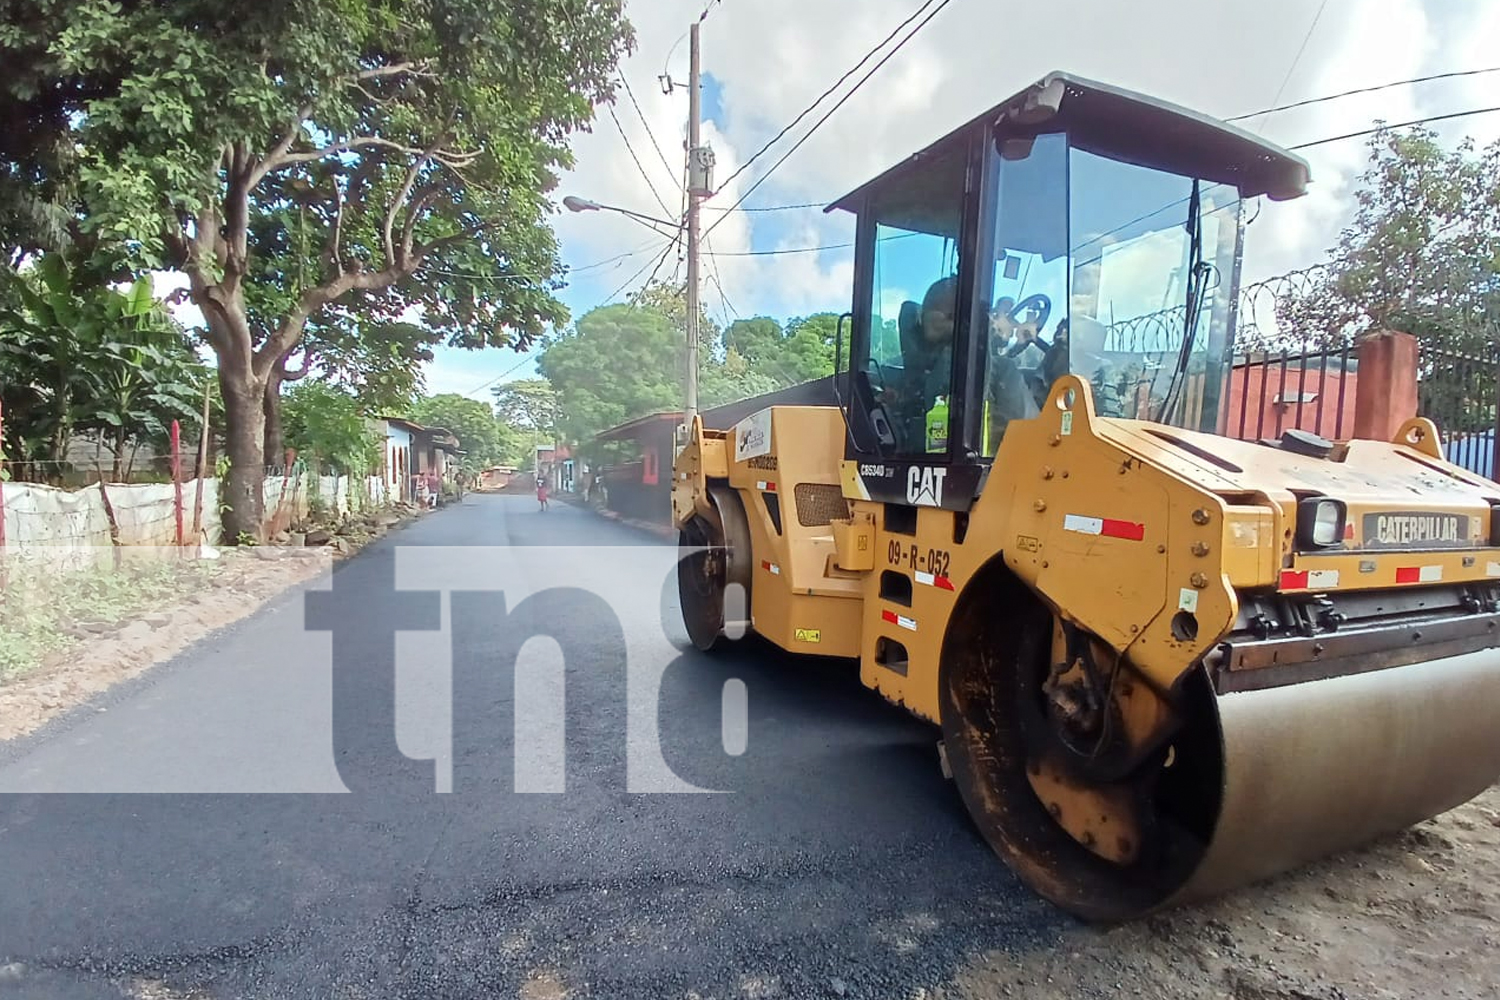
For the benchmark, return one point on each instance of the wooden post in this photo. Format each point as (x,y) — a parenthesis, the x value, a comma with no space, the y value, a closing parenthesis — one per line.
(202,470)
(109,513)
(177,479)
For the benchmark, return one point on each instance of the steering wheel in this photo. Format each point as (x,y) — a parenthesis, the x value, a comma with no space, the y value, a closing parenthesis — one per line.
(1043,307)
(880,387)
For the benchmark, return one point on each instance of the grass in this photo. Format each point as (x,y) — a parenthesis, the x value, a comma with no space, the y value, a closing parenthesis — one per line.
(44,604)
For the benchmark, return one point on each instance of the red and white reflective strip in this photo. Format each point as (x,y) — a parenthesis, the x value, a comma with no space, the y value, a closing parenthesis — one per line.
(931,580)
(910,624)
(761,484)
(1419,574)
(1309,579)
(1109,527)
(770,567)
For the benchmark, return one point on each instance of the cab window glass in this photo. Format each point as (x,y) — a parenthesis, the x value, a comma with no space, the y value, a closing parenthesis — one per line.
(913,308)
(1134,262)
(1023,292)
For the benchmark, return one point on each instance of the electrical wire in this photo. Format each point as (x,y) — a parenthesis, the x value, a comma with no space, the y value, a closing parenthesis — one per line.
(766,208)
(1362,90)
(1386,128)
(941,6)
(824,96)
(636,159)
(649,134)
(1300,50)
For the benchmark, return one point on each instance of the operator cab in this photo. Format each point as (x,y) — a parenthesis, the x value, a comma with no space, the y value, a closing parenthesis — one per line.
(1074,228)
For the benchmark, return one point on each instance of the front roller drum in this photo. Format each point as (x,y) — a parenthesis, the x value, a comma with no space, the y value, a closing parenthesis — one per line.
(1249,784)
(714,571)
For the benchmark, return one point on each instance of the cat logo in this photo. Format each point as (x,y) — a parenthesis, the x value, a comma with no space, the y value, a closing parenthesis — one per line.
(924,487)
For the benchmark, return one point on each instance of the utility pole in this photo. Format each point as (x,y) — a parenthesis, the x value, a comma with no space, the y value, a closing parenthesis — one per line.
(697,181)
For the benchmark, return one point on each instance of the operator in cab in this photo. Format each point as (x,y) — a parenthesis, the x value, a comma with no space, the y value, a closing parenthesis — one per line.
(922,405)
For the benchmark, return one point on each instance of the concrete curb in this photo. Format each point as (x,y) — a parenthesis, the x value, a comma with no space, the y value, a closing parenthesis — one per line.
(662,531)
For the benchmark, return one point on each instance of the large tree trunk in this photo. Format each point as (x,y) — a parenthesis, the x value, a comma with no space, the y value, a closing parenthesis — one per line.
(245,417)
(275,445)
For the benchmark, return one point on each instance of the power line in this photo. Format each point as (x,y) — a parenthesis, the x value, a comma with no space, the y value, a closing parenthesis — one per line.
(1182,201)
(527,277)
(1385,128)
(626,283)
(486,385)
(649,134)
(524,359)
(783,250)
(1300,49)
(1362,90)
(823,96)
(631,150)
(942,4)
(1236,118)
(768,208)
(713,262)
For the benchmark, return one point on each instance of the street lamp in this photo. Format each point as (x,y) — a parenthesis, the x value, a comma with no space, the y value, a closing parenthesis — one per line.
(573,203)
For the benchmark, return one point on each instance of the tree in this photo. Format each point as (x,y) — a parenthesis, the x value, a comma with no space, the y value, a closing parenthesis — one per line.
(1422,254)
(77,356)
(380,363)
(528,404)
(618,362)
(409,144)
(469,420)
(801,352)
(326,424)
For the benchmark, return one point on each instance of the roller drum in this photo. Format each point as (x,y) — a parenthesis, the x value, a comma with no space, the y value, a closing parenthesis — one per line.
(1313,768)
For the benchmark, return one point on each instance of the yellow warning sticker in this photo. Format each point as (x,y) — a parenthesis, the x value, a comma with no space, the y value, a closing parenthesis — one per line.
(809,635)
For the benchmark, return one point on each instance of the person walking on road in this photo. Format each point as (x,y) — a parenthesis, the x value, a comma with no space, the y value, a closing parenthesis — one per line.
(541,492)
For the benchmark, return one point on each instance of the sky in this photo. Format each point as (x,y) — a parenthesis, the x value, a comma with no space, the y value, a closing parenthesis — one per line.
(765,60)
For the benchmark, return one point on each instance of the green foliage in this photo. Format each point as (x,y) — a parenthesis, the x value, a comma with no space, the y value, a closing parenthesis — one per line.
(802,352)
(469,420)
(618,362)
(325,424)
(527,404)
(380,363)
(1422,254)
(299,158)
(77,356)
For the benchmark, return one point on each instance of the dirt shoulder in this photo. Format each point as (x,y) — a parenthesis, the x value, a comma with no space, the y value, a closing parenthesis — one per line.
(91,653)
(1414,916)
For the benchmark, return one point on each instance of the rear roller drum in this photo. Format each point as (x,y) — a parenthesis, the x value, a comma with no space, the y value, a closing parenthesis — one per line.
(713,572)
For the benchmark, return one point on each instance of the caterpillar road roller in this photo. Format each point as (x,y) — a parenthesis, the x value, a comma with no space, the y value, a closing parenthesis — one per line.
(1163,662)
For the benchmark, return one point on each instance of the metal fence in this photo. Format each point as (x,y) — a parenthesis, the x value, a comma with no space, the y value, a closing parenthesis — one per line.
(1280,374)
(1461,394)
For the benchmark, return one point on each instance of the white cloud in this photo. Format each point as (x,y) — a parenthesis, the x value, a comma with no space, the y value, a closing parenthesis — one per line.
(772,57)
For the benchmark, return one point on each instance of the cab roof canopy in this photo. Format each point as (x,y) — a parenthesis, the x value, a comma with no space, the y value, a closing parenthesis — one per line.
(1124,125)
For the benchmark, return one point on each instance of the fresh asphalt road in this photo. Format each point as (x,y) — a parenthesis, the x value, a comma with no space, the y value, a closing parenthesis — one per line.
(286,811)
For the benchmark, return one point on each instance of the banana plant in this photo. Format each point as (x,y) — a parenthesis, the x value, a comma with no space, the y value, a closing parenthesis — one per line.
(79,356)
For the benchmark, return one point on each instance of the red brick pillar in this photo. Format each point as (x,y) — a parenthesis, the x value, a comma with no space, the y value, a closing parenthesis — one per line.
(1386,394)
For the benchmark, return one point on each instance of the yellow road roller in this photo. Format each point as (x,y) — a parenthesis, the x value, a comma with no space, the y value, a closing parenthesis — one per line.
(1164,662)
